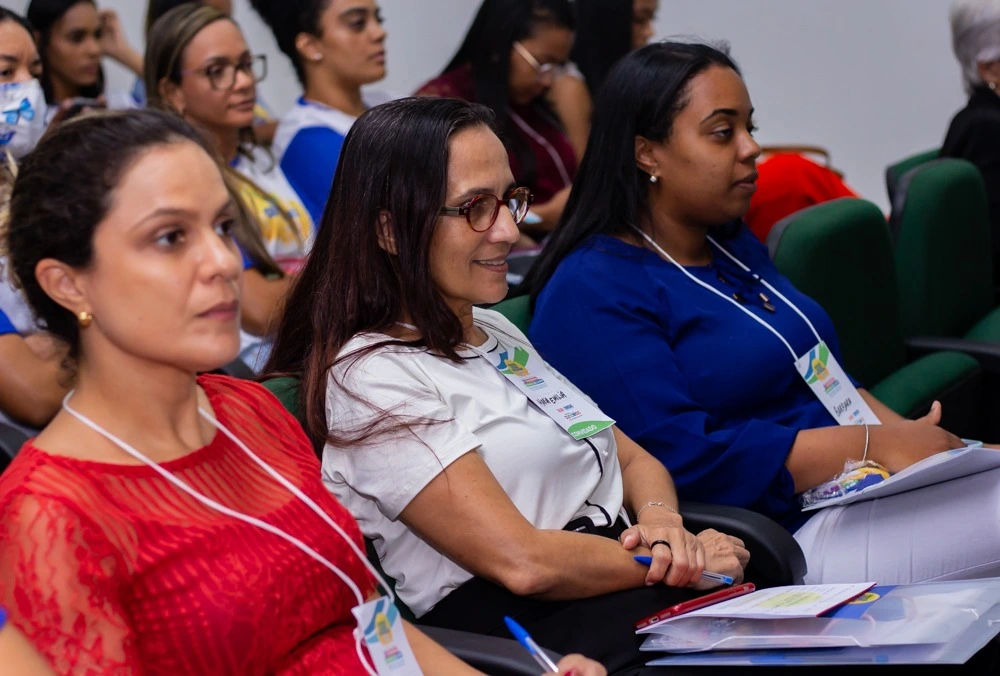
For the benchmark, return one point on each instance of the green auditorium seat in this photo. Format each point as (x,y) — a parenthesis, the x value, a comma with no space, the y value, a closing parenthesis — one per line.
(840,254)
(944,263)
(517,310)
(894,172)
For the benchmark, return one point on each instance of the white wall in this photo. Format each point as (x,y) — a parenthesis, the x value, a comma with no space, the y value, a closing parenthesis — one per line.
(871,80)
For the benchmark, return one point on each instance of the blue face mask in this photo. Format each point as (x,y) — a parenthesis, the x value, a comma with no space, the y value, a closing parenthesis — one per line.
(22,116)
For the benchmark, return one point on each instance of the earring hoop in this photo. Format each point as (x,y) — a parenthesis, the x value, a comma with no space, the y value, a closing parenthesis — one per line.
(84,319)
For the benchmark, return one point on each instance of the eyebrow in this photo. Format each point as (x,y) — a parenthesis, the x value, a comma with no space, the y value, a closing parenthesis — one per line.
(222,58)
(8,57)
(346,14)
(474,192)
(727,112)
(227,208)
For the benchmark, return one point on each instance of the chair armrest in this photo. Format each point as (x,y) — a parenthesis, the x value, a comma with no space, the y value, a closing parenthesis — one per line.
(775,557)
(986,353)
(489,654)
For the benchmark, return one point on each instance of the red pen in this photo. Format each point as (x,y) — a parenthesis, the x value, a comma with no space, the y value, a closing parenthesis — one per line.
(695,604)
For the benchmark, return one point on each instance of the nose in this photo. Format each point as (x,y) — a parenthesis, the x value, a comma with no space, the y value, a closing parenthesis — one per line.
(92,48)
(221,258)
(243,81)
(504,229)
(380,33)
(751,150)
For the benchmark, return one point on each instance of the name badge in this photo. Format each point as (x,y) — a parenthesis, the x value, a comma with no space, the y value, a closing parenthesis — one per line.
(828,381)
(383,634)
(565,406)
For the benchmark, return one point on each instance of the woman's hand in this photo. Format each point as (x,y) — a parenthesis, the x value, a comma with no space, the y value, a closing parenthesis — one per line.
(724,554)
(115,44)
(578,665)
(678,563)
(899,445)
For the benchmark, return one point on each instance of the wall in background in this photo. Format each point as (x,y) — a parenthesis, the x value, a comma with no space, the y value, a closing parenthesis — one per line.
(870,81)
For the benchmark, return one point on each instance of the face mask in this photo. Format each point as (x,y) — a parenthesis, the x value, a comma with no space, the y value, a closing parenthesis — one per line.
(22,116)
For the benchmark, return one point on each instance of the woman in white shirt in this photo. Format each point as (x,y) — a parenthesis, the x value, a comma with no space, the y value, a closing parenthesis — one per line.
(199,66)
(480,502)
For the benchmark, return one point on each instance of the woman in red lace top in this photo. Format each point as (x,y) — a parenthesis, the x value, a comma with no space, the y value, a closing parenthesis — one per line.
(121,232)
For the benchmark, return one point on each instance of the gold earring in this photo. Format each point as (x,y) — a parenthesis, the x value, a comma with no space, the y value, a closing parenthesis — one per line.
(84,318)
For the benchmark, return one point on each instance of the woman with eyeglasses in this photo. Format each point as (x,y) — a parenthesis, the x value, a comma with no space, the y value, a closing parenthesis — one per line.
(199,66)
(509,59)
(489,485)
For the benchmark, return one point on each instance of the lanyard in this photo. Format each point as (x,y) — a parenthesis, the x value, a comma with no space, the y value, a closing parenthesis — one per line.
(757,277)
(246,518)
(540,140)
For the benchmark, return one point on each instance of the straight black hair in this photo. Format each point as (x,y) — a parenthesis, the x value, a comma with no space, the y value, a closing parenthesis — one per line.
(287,19)
(642,96)
(486,50)
(390,184)
(43,15)
(603,36)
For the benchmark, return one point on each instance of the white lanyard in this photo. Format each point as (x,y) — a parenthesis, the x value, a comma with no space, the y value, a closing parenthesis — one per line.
(757,277)
(527,372)
(540,140)
(246,518)
(818,366)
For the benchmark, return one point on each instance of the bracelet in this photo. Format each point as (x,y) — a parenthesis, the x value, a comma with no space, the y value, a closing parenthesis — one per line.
(654,504)
(868,439)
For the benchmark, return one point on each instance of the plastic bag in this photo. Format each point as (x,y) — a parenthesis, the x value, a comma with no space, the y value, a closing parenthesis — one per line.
(856,476)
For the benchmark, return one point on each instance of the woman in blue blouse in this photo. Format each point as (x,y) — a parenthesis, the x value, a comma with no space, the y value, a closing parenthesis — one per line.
(643,300)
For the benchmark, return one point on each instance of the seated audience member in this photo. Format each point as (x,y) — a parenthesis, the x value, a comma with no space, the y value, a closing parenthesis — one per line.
(73,36)
(509,59)
(336,47)
(643,300)
(606,30)
(18,656)
(199,66)
(974,133)
(264,124)
(122,521)
(479,504)
(32,380)
(790,182)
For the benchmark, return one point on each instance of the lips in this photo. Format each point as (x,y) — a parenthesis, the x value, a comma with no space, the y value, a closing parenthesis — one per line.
(493,265)
(222,311)
(749,180)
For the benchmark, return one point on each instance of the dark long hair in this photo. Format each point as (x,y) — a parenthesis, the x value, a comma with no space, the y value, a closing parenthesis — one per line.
(157,8)
(43,15)
(603,36)
(486,50)
(391,176)
(642,96)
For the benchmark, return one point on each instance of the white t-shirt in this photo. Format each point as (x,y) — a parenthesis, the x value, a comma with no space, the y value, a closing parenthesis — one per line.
(549,477)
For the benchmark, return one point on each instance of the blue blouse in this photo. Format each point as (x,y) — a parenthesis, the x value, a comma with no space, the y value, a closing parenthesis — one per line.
(689,376)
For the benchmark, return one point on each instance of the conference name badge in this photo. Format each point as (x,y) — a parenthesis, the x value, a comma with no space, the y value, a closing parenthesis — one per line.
(383,635)
(828,381)
(571,411)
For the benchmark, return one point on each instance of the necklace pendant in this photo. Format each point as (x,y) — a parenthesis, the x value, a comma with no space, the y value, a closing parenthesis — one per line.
(770,308)
(739,298)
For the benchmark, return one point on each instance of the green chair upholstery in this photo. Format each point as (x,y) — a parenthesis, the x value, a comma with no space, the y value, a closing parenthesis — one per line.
(944,264)
(894,172)
(517,310)
(840,254)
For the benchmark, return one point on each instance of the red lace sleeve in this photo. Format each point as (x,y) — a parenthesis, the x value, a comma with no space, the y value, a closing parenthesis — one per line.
(61,582)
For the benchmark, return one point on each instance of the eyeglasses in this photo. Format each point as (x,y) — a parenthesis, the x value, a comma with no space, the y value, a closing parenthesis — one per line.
(222,74)
(541,69)
(482,210)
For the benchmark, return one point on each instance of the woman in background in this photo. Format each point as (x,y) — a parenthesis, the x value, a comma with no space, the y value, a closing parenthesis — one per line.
(337,47)
(513,53)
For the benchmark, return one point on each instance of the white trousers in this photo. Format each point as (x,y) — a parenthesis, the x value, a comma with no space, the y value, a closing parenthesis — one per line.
(949,531)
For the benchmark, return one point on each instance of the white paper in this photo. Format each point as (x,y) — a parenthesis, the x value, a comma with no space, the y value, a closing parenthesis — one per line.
(936,469)
(798,601)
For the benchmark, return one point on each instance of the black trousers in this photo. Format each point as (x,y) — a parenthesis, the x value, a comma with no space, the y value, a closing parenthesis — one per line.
(602,627)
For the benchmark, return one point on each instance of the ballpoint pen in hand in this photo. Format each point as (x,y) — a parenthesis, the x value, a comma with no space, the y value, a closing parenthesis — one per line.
(716,577)
(529,644)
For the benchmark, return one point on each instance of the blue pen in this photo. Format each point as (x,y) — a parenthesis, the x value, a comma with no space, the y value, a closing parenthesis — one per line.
(724,579)
(529,644)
